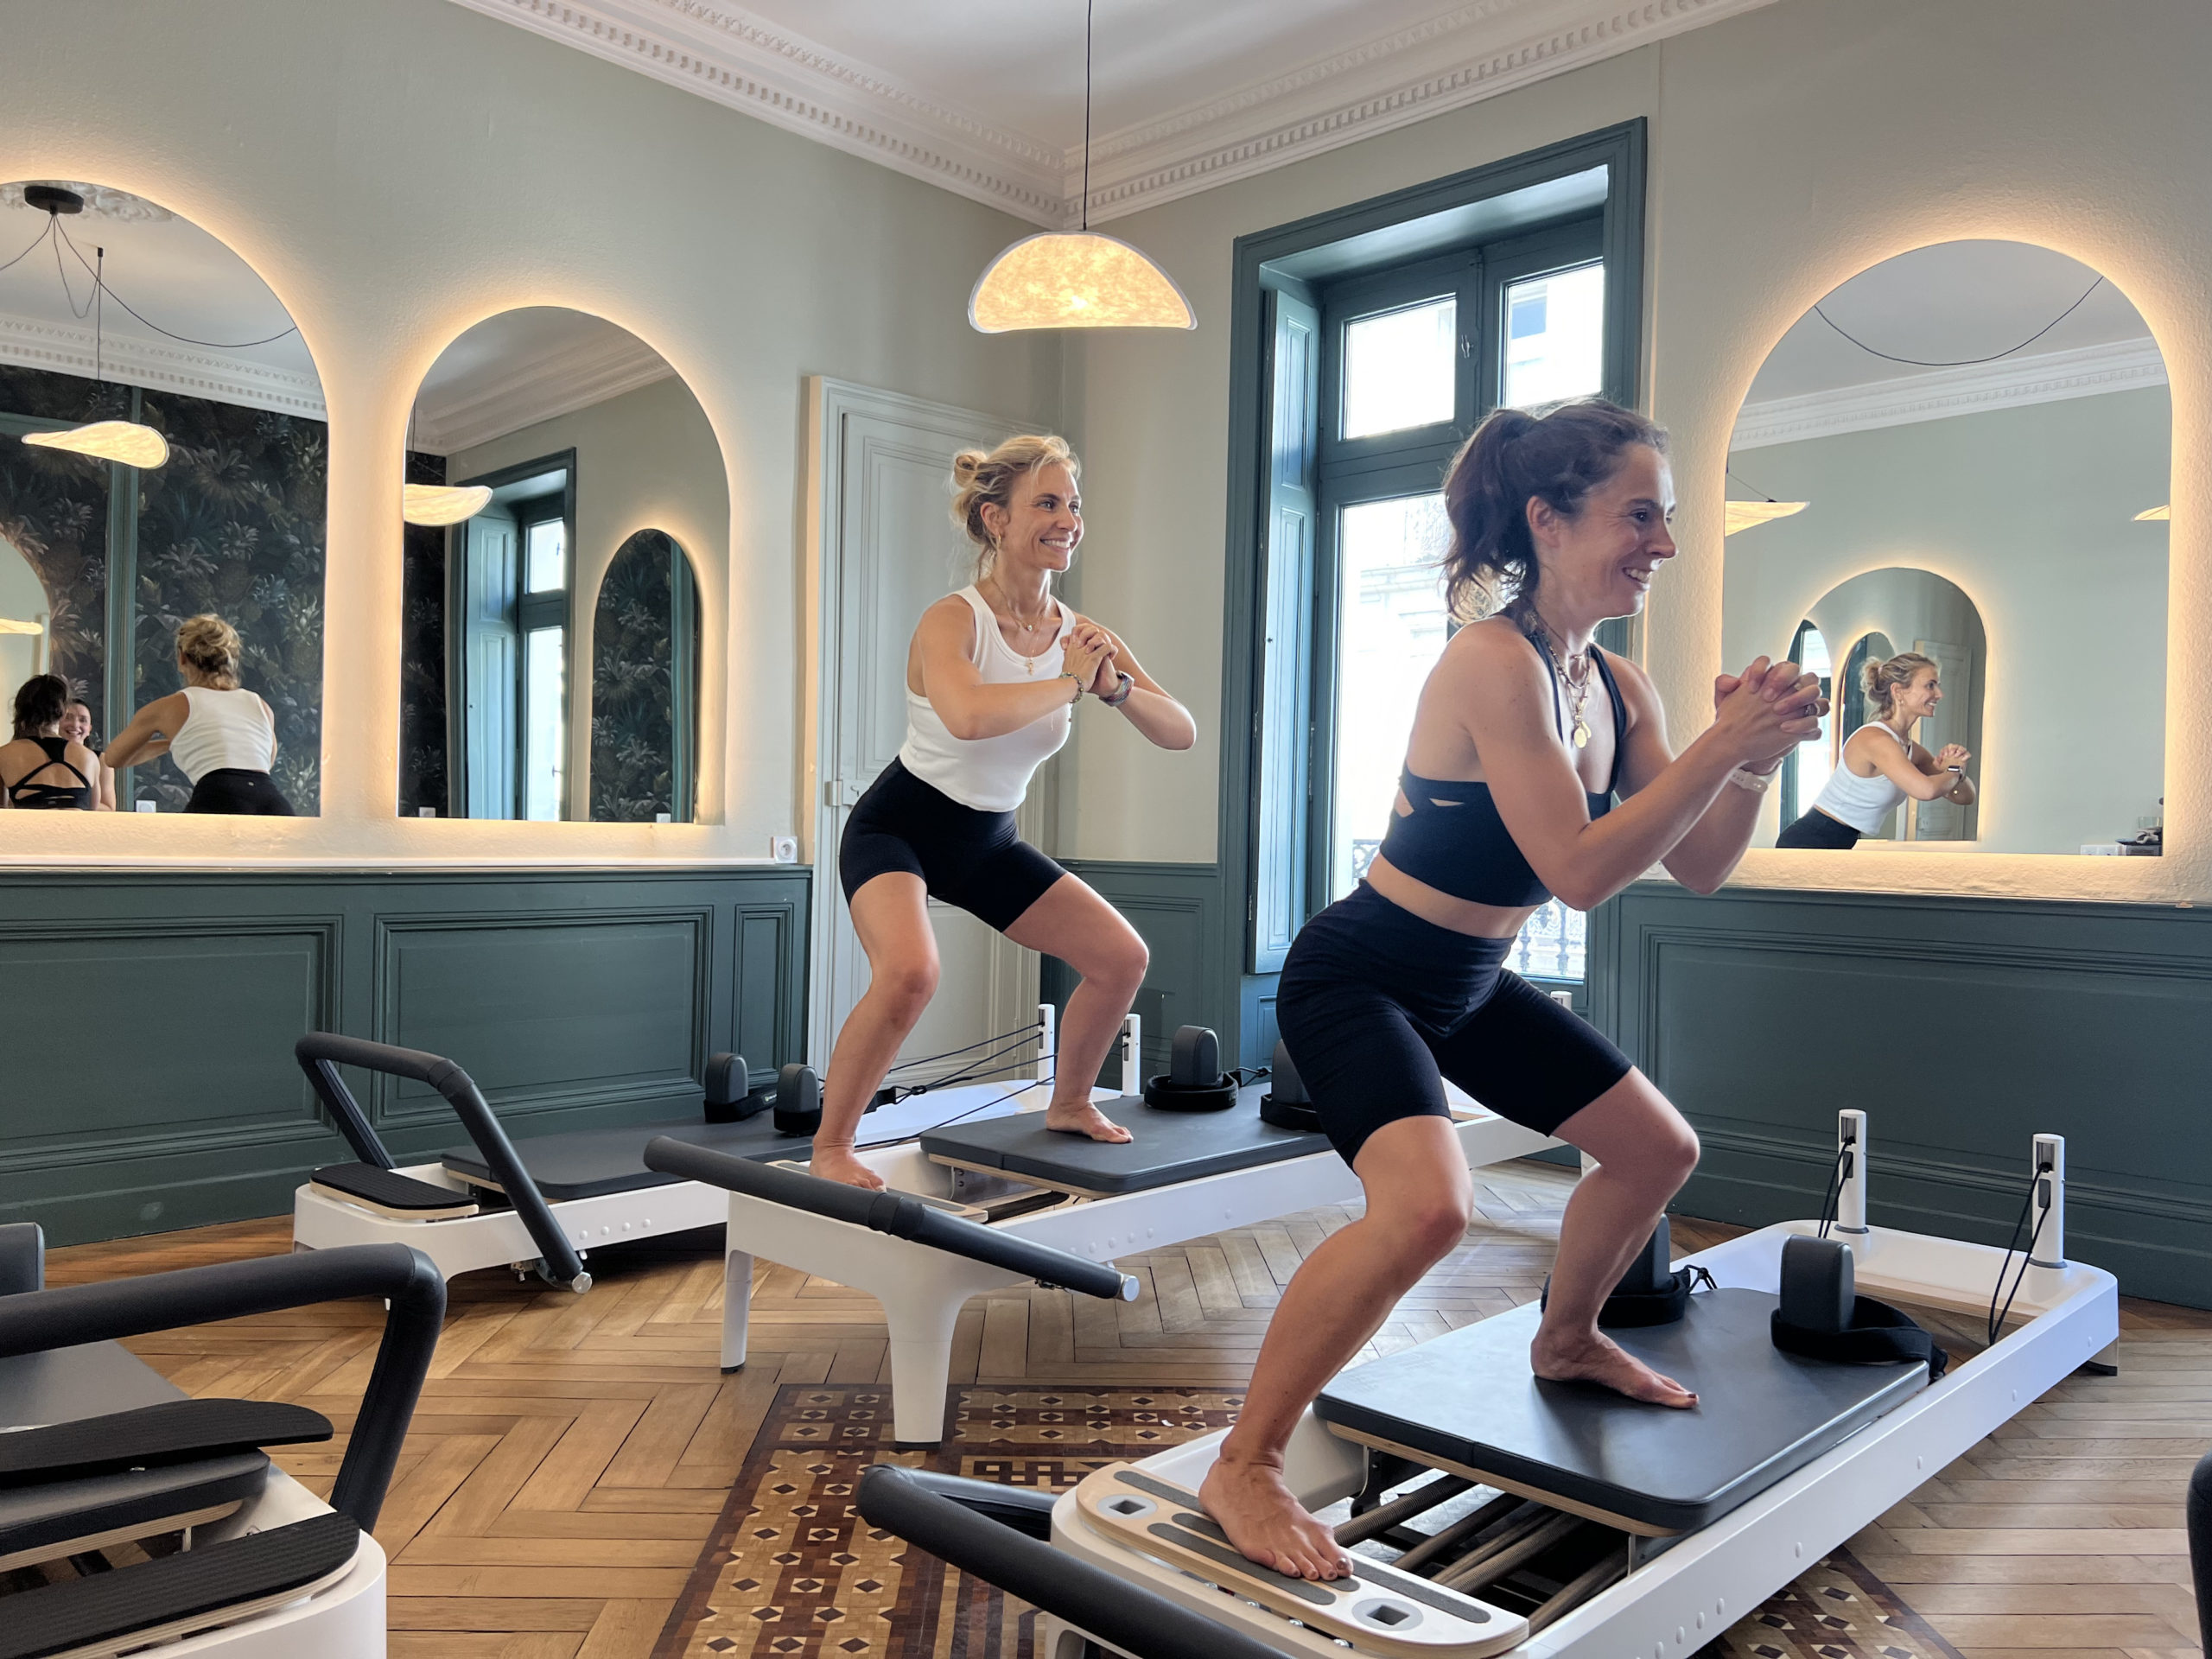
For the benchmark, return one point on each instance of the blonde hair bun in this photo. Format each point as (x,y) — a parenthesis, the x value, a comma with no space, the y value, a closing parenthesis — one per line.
(212,646)
(981,479)
(1880,681)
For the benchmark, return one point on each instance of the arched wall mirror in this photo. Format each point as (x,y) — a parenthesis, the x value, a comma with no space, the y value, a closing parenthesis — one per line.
(644,684)
(1963,453)
(201,491)
(568,456)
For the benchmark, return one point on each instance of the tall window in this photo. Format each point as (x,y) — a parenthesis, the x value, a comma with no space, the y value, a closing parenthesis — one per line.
(511,569)
(1410,360)
(543,728)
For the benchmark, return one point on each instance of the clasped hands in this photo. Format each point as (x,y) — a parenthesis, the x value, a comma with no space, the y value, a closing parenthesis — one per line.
(1092,654)
(1767,710)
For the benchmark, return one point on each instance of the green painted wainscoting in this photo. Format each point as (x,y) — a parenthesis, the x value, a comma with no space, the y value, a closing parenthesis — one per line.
(1961,1026)
(1178,910)
(149,1081)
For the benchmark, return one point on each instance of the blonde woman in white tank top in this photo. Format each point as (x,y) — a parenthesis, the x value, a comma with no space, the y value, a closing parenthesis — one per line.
(992,676)
(222,737)
(1881,764)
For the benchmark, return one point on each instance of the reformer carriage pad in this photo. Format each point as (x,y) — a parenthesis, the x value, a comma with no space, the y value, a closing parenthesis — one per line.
(593,1163)
(1467,1400)
(1167,1148)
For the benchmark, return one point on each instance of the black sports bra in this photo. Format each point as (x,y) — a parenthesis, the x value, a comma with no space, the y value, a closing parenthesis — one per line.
(52,796)
(1454,841)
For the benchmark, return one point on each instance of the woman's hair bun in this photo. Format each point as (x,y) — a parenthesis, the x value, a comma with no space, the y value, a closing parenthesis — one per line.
(1881,679)
(980,480)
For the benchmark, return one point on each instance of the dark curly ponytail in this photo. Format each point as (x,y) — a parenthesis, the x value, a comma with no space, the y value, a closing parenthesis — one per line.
(1514,457)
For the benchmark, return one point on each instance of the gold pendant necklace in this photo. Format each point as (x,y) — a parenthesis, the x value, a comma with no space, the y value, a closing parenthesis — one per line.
(1578,690)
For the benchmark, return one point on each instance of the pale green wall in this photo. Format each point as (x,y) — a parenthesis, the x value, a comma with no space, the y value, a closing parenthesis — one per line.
(646,460)
(399,171)
(22,597)
(2031,511)
(1791,147)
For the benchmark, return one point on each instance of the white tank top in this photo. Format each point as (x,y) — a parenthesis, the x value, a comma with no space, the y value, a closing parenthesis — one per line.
(990,774)
(225,728)
(1865,804)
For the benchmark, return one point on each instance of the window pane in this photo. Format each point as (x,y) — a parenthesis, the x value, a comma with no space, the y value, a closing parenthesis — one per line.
(548,570)
(1391,627)
(1398,368)
(1555,336)
(1552,943)
(544,675)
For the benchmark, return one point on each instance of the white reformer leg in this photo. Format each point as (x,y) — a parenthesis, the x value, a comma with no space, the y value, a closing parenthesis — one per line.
(737,1307)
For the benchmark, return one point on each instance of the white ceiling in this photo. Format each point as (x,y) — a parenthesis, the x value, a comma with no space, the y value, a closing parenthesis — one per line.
(525,366)
(178,276)
(1955,301)
(985,97)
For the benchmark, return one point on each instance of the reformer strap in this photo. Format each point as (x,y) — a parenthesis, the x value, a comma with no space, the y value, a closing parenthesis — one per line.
(1877,1334)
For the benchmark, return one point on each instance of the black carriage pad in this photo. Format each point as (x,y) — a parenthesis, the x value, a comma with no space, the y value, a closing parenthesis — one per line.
(1166,1147)
(388,1193)
(593,1163)
(1469,1399)
(175,1431)
(55,1518)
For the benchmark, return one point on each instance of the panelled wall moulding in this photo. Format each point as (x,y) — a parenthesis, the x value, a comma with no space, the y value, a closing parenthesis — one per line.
(1460,56)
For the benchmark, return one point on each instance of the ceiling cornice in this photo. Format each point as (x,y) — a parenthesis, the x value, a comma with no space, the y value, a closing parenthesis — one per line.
(61,348)
(1457,58)
(531,389)
(2049,377)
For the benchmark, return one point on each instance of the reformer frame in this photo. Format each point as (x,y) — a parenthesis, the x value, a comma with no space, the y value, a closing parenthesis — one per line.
(530,1234)
(1669,1598)
(923,1286)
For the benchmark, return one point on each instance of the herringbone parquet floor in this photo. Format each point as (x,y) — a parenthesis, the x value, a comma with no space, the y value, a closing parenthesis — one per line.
(571,1452)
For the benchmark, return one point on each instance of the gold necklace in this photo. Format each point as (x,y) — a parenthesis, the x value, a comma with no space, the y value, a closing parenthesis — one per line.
(1578,690)
(1029,661)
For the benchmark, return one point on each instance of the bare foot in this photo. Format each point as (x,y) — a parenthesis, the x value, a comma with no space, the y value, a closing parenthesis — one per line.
(1252,1505)
(1084,1119)
(1601,1360)
(839,1164)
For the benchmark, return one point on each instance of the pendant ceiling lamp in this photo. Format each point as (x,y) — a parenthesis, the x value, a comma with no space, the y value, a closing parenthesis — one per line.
(129,442)
(1742,515)
(9,624)
(439,504)
(1076,279)
(2155,515)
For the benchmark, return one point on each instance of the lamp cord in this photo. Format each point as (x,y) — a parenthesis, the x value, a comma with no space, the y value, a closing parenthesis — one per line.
(1961,362)
(1753,488)
(1087,8)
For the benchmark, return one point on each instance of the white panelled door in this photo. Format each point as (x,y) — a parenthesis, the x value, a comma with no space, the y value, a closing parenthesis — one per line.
(886,548)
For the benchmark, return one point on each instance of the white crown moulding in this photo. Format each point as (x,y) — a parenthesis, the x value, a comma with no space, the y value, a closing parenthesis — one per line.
(531,389)
(1457,58)
(1976,388)
(221,376)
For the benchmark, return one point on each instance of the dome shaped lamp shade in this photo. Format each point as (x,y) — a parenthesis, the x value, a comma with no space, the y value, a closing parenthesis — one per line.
(1075,279)
(2159,515)
(439,503)
(128,442)
(1742,515)
(9,625)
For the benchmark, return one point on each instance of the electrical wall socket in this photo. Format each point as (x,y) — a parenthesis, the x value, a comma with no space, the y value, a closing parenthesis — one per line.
(784,848)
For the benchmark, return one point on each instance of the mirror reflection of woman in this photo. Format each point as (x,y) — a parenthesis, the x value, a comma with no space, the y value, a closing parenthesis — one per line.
(222,736)
(1525,734)
(1881,764)
(77,726)
(41,768)
(992,676)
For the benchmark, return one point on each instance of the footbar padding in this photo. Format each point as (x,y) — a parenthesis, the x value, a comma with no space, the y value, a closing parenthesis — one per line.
(1125,1616)
(320,1053)
(40,1321)
(897,1214)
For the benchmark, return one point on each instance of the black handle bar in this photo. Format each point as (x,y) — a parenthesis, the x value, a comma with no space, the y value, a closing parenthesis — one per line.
(934,1514)
(900,1214)
(38,1320)
(2200,1544)
(322,1052)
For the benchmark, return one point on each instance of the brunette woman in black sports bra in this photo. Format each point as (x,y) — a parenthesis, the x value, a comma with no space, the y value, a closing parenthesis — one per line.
(1525,732)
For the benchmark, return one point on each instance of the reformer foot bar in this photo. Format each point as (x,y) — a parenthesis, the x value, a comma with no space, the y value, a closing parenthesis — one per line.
(221,1552)
(1011,1182)
(542,1202)
(1558,1520)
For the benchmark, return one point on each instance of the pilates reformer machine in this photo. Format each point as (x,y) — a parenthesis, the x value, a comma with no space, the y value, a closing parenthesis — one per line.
(983,1204)
(135,1520)
(541,1204)
(1493,1513)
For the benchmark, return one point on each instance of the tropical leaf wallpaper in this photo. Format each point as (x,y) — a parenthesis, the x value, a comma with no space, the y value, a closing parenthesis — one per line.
(633,766)
(232,524)
(423,654)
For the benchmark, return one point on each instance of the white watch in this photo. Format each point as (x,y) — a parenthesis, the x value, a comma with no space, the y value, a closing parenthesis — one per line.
(1757,782)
